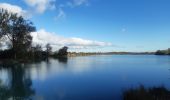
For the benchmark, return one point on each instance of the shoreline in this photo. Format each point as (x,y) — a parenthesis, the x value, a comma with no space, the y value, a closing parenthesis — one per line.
(74,54)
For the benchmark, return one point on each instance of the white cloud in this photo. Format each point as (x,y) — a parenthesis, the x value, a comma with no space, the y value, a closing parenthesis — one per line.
(61,14)
(43,37)
(41,5)
(69,4)
(80,2)
(14,9)
(75,3)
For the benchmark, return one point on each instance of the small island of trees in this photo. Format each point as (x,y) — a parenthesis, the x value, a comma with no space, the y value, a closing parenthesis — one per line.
(16,31)
(163,52)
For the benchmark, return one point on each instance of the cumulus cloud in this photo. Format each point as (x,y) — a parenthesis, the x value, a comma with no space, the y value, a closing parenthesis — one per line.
(43,37)
(14,9)
(41,5)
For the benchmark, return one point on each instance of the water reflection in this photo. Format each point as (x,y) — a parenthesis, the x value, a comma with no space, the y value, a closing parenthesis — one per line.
(16,79)
(4,91)
(85,78)
(63,60)
(19,85)
(142,93)
(54,67)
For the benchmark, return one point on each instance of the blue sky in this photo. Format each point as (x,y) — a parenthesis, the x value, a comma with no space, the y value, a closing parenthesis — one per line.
(98,25)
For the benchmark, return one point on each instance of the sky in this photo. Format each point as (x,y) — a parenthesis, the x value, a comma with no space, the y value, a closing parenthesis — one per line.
(97,25)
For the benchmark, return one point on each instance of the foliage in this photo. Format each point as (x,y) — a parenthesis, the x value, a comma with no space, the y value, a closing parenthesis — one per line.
(141,93)
(48,49)
(61,52)
(163,52)
(17,30)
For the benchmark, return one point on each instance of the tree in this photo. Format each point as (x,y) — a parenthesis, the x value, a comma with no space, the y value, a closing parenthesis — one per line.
(48,49)
(4,18)
(63,51)
(17,30)
(37,51)
(37,48)
(160,52)
(168,51)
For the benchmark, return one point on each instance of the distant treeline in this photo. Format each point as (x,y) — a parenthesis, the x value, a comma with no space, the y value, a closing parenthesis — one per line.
(163,52)
(34,53)
(108,53)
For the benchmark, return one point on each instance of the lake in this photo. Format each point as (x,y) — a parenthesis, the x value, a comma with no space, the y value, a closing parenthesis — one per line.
(101,77)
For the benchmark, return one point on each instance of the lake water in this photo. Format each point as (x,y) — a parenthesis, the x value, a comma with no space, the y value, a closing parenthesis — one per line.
(102,77)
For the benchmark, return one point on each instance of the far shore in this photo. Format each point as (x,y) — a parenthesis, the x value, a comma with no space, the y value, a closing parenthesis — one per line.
(73,54)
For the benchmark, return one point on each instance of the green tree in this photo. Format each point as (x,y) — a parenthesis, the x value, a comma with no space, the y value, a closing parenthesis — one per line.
(37,51)
(63,51)
(37,48)
(48,49)
(168,51)
(17,30)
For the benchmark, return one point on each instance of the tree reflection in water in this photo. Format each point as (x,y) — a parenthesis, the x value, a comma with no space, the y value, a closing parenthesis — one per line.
(19,79)
(4,91)
(62,59)
(19,87)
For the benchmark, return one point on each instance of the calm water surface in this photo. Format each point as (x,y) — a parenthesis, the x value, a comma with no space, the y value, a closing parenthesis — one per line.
(83,78)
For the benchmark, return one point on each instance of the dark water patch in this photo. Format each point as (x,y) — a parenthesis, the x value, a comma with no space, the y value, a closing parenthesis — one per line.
(142,93)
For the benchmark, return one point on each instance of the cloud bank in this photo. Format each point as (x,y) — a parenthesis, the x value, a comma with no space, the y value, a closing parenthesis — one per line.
(13,9)
(43,37)
(41,6)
